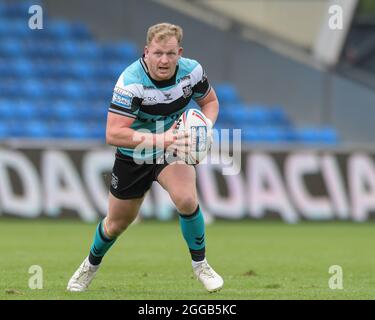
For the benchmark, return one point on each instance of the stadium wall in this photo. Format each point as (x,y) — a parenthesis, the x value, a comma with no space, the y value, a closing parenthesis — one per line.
(57,181)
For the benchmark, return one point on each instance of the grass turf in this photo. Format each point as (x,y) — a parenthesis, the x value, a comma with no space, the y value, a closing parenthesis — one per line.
(258,260)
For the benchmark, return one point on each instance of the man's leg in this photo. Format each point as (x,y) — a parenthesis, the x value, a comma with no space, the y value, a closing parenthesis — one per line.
(121,213)
(179,180)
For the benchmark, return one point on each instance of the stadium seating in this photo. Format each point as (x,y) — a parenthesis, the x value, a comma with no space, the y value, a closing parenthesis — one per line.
(47,89)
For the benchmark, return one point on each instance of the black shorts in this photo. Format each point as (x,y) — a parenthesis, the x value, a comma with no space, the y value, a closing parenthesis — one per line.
(130,180)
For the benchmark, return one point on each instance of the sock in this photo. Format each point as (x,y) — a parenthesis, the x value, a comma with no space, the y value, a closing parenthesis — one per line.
(100,245)
(193,229)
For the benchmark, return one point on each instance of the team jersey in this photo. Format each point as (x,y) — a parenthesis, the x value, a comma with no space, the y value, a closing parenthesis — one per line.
(155,105)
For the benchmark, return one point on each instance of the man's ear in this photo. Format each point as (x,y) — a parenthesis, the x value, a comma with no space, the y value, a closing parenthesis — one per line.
(145,51)
(180,51)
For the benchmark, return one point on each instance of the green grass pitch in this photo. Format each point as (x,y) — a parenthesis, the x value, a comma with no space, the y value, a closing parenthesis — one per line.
(258,260)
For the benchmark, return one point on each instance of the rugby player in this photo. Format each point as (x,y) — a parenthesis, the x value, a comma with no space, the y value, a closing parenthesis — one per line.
(151,94)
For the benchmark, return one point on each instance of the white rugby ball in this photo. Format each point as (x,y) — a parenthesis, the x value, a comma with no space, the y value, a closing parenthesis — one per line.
(194,121)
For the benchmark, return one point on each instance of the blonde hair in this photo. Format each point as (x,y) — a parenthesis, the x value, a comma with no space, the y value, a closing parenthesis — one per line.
(163,31)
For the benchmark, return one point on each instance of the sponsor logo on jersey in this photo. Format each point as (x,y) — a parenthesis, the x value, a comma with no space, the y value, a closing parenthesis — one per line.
(149,100)
(185,78)
(114,181)
(123,92)
(167,96)
(122,97)
(125,101)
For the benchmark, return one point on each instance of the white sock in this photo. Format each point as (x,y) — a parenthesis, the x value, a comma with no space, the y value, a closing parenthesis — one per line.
(197,263)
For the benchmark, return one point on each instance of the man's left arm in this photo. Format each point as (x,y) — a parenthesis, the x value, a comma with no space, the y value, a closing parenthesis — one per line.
(209,105)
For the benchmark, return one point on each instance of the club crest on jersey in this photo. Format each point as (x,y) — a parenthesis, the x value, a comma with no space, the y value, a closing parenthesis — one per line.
(187,91)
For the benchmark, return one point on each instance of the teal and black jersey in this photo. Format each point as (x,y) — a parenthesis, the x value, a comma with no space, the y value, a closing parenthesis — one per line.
(155,105)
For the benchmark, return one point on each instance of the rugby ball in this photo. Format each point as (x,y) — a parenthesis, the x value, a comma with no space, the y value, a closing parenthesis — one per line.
(194,121)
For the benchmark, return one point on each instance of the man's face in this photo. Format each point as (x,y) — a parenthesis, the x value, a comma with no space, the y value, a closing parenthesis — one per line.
(162,57)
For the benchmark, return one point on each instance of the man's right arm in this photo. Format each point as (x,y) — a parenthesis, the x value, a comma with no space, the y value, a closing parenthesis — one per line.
(122,112)
(119,134)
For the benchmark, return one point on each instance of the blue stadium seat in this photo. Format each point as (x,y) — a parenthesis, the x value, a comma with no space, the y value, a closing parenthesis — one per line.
(56,129)
(10,47)
(330,135)
(6,68)
(17,9)
(4,130)
(40,48)
(89,49)
(15,129)
(24,110)
(267,134)
(241,115)
(251,135)
(227,94)
(81,69)
(278,116)
(254,115)
(258,115)
(76,130)
(22,68)
(61,29)
(101,91)
(4,28)
(46,69)
(237,114)
(15,28)
(64,111)
(311,135)
(6,109)
(110,70)
(36,129)
(97,131)
(44,109)
(125,50)
(224,115)
(100,111)
(10,89)
(67,49)
(33,88)
(66,90)
(80,31)
(57,29)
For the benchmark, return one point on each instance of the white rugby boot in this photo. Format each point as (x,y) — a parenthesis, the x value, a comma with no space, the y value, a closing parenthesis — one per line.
(82,278)
(205,274)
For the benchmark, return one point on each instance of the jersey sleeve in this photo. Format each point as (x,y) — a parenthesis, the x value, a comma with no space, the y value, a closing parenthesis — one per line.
(127,98)
(201,86)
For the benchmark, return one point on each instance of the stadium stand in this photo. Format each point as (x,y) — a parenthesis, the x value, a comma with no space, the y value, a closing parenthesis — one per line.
(359,51)
(47,87)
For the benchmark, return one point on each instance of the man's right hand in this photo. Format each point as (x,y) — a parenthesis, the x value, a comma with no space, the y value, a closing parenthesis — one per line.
(176,141)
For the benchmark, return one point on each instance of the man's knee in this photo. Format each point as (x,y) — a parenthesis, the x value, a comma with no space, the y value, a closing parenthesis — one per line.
(186,204)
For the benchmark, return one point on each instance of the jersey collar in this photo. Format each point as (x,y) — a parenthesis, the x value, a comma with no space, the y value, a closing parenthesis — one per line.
(161,83)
